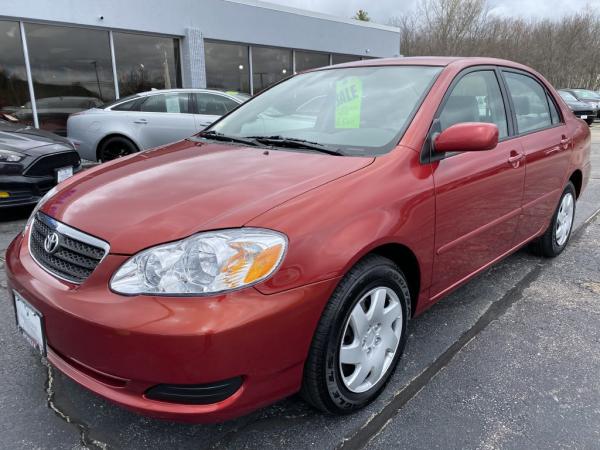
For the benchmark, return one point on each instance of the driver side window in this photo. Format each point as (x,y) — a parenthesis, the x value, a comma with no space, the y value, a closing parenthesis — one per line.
(476,98)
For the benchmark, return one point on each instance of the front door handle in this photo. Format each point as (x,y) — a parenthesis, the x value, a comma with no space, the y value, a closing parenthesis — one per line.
(142,121)
(515,159)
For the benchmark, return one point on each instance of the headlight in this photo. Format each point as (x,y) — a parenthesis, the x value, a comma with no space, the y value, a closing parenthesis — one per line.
(205,263)
(10,156)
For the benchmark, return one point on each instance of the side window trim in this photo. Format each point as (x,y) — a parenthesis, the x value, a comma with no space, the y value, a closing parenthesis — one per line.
(427,156)
(549,97)
(552,103)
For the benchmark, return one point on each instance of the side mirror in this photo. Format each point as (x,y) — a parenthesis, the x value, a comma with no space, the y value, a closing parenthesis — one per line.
(467,137)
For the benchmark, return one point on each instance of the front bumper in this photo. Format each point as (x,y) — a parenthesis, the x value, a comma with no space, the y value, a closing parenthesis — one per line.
(119,347)
(24,190)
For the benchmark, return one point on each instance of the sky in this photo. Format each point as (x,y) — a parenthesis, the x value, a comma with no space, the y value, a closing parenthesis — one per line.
(381,10)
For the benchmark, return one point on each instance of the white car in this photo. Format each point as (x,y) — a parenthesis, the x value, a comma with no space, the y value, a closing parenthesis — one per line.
(147,120)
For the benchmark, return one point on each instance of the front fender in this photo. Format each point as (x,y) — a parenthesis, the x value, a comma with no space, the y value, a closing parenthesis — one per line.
(331,227)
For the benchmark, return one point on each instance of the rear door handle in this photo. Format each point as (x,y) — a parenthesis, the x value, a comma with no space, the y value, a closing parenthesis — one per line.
(142,121)
(565,142)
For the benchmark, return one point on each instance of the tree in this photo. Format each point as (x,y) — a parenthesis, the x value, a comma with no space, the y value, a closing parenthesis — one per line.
(361,14)
(566,51)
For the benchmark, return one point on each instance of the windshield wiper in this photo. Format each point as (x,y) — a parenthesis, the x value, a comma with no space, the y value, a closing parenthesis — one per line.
(215,136)
(281,141)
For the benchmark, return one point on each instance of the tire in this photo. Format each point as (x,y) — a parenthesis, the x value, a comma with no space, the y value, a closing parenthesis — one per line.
(335,387)
(115,147)
(553,241)
(590,122)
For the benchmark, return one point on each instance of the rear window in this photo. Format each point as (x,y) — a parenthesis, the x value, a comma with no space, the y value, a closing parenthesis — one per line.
(123,104)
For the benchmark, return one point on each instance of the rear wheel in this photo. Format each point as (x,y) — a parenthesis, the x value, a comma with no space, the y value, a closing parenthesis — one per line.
(359,339)
(115,147)
(556,237)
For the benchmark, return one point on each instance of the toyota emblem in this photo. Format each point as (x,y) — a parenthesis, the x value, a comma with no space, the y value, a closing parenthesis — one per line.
(51,243)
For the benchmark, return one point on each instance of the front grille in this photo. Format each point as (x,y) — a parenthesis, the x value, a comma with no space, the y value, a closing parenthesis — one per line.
(585,113)
(46,165)
(75,255)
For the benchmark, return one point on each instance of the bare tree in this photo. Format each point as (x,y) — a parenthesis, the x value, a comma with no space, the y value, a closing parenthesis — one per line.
(567,51)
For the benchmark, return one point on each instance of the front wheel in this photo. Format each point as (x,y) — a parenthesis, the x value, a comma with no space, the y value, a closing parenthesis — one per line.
(556,237)
(359,339)
(589,121)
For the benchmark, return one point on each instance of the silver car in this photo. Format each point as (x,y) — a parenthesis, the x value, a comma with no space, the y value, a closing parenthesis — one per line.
(147,120)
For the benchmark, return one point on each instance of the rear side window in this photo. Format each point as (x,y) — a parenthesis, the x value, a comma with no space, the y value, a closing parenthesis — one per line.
(177,103)
(475,98)
(125,106)
(530,102)
(213,105)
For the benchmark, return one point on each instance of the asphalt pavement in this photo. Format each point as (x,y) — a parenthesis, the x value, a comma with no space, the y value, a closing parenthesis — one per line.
(510,360)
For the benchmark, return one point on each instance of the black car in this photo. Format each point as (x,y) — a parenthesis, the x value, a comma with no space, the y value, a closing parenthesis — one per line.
(582,110)
(32,162)
(585,96)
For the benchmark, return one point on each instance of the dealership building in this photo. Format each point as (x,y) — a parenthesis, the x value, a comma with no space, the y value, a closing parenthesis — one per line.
(60,56)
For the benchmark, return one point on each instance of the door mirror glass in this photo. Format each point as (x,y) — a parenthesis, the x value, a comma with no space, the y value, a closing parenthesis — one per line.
(467,137)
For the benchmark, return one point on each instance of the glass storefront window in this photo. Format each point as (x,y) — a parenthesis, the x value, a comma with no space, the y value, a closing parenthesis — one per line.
(227,66)
(310,60)
(14,91)
(71,70)
(270,65)
(338,58)
(145,62)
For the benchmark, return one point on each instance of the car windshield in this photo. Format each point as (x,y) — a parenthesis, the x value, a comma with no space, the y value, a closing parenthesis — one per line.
(567,96)
(588,95)
(358,111)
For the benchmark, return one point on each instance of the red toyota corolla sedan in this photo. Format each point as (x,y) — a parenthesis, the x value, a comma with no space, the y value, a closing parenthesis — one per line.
(285,248)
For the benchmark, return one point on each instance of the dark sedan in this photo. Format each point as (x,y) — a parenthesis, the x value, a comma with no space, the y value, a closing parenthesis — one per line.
(585,96)
(31,163)
(584,111)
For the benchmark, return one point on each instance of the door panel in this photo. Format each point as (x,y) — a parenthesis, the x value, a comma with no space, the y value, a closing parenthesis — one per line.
(164,128)
(478,202)
(478,194)
(545,141)
(547,161)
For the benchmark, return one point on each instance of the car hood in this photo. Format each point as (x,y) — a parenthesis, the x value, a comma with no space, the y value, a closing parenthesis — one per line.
(172,192)
(579,106)
(29,140)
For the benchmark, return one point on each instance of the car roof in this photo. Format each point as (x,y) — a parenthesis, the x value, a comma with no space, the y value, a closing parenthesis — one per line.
(213,91)
(440,61)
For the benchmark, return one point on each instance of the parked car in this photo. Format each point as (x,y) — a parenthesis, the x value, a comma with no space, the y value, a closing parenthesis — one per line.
(31,163)
(147,120)
(586,96)
(584,111)
(202,280)
(53,112)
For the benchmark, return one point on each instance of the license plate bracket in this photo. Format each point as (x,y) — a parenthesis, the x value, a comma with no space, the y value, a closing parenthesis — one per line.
(30,323)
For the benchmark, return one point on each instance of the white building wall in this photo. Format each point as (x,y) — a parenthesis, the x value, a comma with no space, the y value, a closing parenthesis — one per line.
(250,22)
